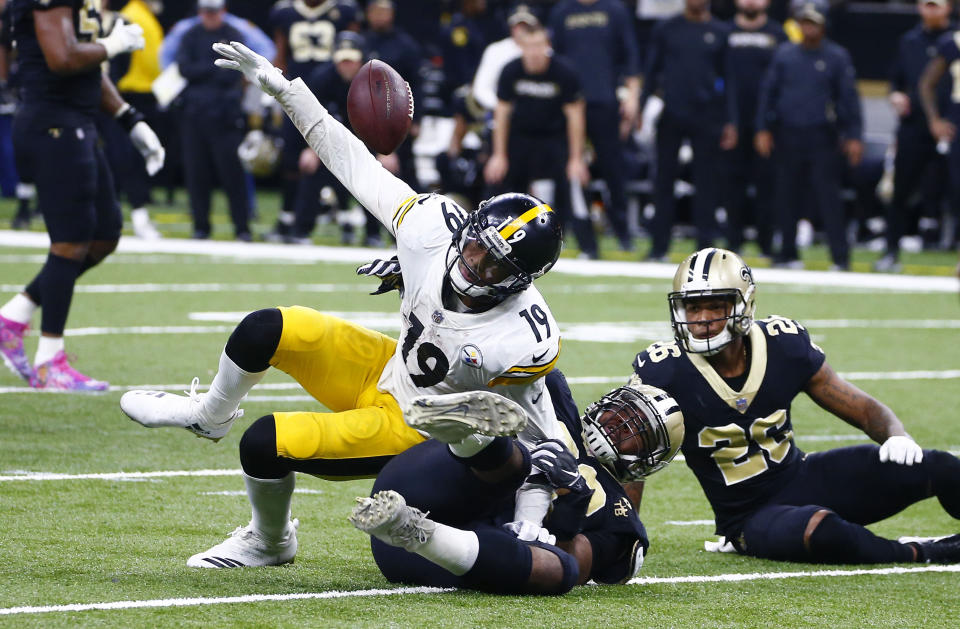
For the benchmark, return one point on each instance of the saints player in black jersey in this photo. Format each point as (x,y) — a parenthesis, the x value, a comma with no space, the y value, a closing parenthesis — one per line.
(734,378)
(60,51)
(471,538)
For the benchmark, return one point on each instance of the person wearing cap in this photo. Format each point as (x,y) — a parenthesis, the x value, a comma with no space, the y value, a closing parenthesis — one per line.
(538,130)
(809,110)
(393,46)
(944,117)
(752,42)
(212,122)
(331,83)
(597,37)
(688,64)
(303,33)
(918,166)
(498,54)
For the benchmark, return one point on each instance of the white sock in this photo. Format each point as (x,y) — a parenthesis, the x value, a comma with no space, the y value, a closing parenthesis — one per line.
(471,445)
(227,389)
(270,501)
(139,216)
(20,308)
(454,550)
(47,348)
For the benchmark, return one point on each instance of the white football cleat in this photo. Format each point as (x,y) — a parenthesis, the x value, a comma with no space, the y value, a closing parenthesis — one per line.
(245,548)
(159,408)
(453,417)
(387,517)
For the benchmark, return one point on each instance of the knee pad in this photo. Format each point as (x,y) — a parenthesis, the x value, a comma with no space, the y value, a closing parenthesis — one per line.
(255,339)
(571,569)
(258,450)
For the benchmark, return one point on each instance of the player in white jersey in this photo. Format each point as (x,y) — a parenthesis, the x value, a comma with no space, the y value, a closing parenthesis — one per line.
(473,327)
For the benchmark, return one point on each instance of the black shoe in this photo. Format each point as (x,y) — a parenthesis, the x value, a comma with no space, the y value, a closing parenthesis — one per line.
(244,237)
(944,550)
(20,222)
(199,234)
(887,264)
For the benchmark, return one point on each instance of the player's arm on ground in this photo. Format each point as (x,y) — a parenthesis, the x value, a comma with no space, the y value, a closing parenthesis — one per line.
(344,155)
(857,408)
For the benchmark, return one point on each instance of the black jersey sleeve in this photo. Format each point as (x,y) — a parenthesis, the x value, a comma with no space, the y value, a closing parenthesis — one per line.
(793,344)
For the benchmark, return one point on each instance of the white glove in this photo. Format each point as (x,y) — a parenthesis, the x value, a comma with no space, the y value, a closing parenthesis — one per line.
(123,38)
(256,68)
(147,142)
(528,531)
(902,450)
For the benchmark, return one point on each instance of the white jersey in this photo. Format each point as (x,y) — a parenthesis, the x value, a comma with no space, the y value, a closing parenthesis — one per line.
(508,348)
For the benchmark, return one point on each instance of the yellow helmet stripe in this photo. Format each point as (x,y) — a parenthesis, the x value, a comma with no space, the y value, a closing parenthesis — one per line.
(510,228)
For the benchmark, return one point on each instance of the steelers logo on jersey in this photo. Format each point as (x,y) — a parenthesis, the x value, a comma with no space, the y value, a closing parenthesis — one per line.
(471,356)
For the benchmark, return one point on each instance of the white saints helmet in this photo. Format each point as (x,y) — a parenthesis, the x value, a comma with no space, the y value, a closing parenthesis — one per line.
(634,430)
(260,153)
(713,272)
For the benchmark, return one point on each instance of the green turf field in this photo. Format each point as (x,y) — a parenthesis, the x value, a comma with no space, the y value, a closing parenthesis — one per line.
(98,540)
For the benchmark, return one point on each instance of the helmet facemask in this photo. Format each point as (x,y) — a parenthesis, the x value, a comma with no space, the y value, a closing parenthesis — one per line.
(479,264)
(737,320)
(626,432)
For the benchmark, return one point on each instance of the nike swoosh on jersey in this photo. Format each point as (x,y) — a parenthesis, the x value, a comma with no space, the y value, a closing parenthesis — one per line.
(536,358)
(537,399)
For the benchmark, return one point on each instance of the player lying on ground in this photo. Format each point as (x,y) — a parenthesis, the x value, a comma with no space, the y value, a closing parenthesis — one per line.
(468,540)
(734,379)
(471,320)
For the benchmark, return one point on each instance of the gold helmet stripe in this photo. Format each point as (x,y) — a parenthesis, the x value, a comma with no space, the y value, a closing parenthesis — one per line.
(510,228)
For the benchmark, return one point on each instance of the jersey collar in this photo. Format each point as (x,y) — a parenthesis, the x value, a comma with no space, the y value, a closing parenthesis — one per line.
(741,400)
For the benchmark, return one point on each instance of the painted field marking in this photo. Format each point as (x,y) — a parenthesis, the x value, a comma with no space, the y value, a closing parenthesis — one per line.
(947,374)
(335,594)
(13,475)
(587,268)
(689,522)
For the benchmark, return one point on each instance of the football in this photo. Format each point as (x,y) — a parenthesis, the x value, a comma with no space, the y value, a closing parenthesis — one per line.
(380,106)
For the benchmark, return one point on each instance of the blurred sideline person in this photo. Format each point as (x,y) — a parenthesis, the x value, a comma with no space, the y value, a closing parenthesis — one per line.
(468,541)
(943,120)
(753,40)
(133,75)
(538,131)
(397,49)
(471,321)
(809,111)
(689,62)
(918,165)
(55,139)
(500,53)
(598,40)
(332,83)
(735,379)
(304,33)
(212,123)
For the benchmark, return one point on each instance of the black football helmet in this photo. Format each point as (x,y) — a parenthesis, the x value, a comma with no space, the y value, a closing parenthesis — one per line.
(506,243)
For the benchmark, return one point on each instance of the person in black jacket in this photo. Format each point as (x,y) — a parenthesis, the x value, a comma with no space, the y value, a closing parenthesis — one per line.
(688,64)
(917,157)
(752,43)
(808,106)
(212,122)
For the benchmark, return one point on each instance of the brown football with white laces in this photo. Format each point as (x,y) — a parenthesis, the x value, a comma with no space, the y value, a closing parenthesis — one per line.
(380,106)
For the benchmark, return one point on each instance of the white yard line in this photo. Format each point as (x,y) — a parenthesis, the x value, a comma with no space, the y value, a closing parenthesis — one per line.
(120,476)
(689,522)
(588,268)
(212,287)
(335,594)
(947,374)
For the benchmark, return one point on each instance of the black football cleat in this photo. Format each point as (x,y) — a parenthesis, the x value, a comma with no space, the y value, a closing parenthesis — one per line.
(943,550)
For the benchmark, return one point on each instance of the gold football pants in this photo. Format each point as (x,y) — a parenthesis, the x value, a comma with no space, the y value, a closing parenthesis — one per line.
(338,363)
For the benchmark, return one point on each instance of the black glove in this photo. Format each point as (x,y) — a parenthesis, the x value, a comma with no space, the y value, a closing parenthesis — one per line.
(389,273)
(554,465)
